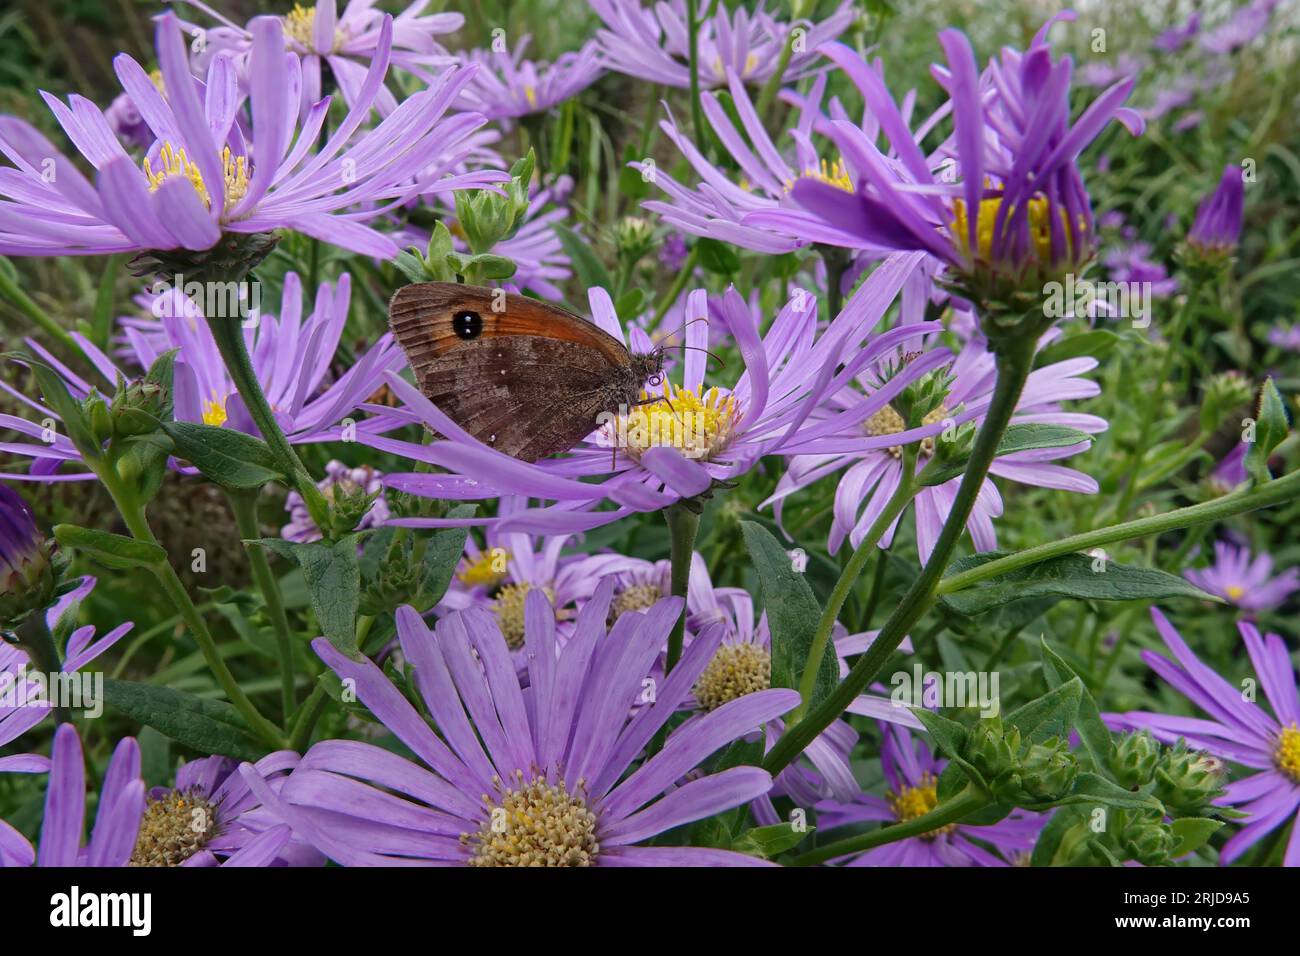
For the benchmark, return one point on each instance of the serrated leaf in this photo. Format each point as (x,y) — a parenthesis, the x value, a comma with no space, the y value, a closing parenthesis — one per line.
(1051,715)
(1021,436)
(1192,833)
(209,726)
(1067,576)
(792,614)
(230,458)
(591,271)
(333,578)
(1094,734)
(110,550)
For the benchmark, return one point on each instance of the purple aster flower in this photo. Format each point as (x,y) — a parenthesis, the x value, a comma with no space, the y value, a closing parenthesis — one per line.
(1238,730)
(1020,212)
(857,428)
(507,86)
(121,802)
(1217,227)
(1175,38)
(1245,580)
(348,44)
(1130,262)
(27,578)
(1241,29)
(1285,337)
(912,776)
(1106,72)
(200,179)
(653,43)
(291,355)
(1231,471)
(673,252)
(542,776)
(126,123)
(339,479)
(210,817)
(661,452)
(24,697)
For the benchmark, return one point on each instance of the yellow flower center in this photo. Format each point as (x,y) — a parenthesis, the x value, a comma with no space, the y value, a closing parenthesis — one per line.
(736,670)
(488,569)
(889,422)
(1040,228)
(509,608)
(720,71)
(535,823)
(1235,591)
(912,802)
(174,162)
(699,426)
(1287,754)
(638,597)
(214,412)
(300,28)
(832,174)
(156,77)
(530,93)
(173,829)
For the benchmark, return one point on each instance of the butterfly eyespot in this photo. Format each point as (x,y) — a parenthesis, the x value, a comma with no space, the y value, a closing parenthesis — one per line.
(467,325)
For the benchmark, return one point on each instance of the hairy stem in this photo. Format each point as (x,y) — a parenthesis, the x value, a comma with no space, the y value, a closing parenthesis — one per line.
(683,523)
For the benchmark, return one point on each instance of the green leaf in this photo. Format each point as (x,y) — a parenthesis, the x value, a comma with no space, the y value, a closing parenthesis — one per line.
(1094,734)
(333,579)
(232,459)
(1067,576)
(62,403)
(718,257)
(1271,428)
(792,614)
(110,550)
(771,841)
(1092,789)
(1051,715)
(1053,835)
(1021,436)
(1095,344)
(591,271)
(209,726)
(950,737)
(1192,833)
(442,553)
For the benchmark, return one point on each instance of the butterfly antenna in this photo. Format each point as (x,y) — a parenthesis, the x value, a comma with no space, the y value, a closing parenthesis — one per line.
(695,348)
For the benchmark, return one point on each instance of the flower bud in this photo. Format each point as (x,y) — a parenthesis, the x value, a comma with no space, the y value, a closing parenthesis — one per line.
(1047,771)
(633,238)
(1187,780)
(1147,839)
(28,581)
(1134,760)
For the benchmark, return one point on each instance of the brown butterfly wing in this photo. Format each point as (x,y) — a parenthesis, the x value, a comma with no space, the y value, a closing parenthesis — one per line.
(528,379)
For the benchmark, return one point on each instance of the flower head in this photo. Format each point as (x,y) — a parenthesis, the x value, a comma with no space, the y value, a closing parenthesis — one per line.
(507,86)
(1244,579)
(538,779)
(27,578)
(1217,227)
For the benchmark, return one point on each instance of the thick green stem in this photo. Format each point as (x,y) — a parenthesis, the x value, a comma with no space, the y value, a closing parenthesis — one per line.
(1238,502)
(837,262)
(1014,360)
(245,509)
(683,523)
(12,291)
(767,95)
(849,577)
(948,812)
(35,638)
(234,352)
(305,722)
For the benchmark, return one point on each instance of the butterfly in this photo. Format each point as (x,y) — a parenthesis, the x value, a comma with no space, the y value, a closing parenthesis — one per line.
(524,377)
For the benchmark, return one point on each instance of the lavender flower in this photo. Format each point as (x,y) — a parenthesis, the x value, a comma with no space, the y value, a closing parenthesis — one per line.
(1217,227)
(652,42)
(1285,337)
(199,179)
(537,779)
(1237,730)
(27,579)
(866,435)
(659,453)
(1130,261)
(507,86)
(1241,29)
(1245,580)
(1231,471)
(339,480)
(1175,38)
(912,775)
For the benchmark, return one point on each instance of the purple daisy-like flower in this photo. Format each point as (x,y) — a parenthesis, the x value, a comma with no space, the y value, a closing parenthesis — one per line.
(1241,29)
(1130,261)
(210,817)
(1008,203)
(912,775)
(865,434)
(652,43)
(1285,337)
(1175,38)
(1217,227)
(517,776)
(121,802)
(1238,730)
(663,451)
(507,86)
(347,43)
(25,697)
(339,478)
(291,355)
(204,176)
(1245,580)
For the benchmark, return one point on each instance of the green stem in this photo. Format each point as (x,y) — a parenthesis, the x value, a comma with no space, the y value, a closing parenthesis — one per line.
(849,577)
(305,723)
(767,95)
(35,638)
(693,57)
(683,523)
(12,291)
(679,283)
(1014,361)
(837,262)
(1149,408)
(950,811)
(245,509)
(234,352)
(1238,502)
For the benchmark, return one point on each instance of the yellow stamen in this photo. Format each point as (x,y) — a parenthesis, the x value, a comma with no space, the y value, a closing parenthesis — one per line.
(300,28)
(174,162)
(1040,228)
(700,426)
(832,174)
(1235,591)
(488,569)
(214,412)
(736,670)
(889,422)
(531,93)
(1287,754)
(912,802)
(509,608)
(534,823)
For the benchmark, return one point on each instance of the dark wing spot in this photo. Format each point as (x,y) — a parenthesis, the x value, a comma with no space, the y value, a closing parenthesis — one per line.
(467,325)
